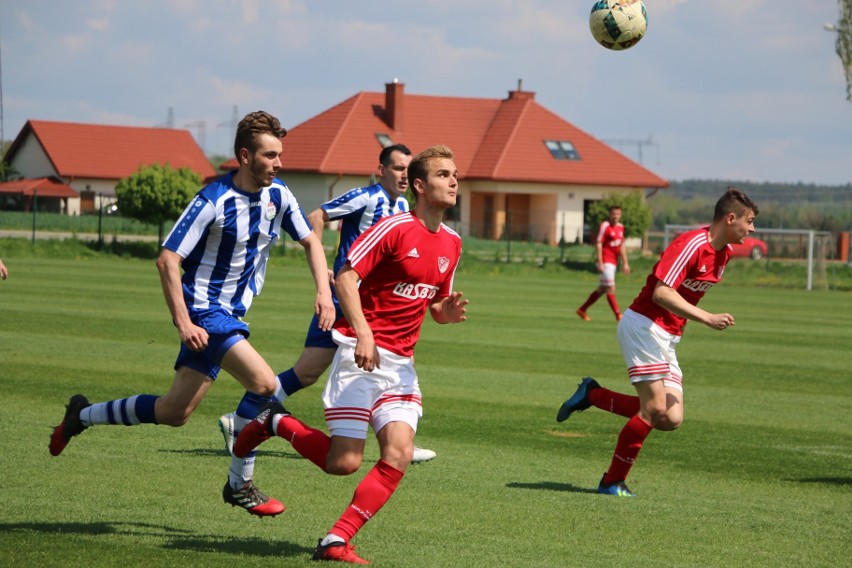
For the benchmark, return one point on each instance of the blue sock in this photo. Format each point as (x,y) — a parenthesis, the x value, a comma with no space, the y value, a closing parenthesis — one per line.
(290,383)
(250,405)
(138,409)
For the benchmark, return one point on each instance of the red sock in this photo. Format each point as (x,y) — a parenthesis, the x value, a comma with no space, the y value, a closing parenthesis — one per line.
(371,494)
(626,405)
(311,443)
(627,449)
(613,303)
(593,297)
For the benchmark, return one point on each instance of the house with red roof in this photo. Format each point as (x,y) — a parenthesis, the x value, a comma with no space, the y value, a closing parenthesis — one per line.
(522,169)
(90,159)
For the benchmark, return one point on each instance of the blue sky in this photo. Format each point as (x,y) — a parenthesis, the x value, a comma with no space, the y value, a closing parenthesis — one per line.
(720,89)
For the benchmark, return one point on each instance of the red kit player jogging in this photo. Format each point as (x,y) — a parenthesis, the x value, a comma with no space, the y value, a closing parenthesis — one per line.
(405,265)
(652,327)
(610,246)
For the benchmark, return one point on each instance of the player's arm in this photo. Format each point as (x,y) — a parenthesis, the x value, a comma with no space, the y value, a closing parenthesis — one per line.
(622,250)
(318,218)
(450,309)
(323,305)
(366,352)
(599,249)
(668,298)
(168,265)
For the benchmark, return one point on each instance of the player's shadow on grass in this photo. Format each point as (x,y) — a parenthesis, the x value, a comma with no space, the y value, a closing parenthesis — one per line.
(579,265)
(208,452)
(826,480)
(550,486)
(175,539)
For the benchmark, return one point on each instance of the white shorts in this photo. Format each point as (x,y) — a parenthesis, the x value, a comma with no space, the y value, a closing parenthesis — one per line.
(608,275)
(649,351)
(355,399)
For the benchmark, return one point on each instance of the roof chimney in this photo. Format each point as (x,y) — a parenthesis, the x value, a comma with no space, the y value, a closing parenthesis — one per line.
(521,93)
(394,107)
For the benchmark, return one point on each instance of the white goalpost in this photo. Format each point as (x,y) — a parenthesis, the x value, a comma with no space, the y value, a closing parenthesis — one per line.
(814,238)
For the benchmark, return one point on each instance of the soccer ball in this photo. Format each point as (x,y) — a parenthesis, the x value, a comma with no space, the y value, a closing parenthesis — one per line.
(618,24)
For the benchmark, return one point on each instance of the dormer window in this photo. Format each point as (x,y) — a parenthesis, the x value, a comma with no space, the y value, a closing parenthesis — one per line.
(384,139)
(562,150)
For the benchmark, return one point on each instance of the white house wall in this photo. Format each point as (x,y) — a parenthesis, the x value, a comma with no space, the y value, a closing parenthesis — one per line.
(31,161)
(567,218)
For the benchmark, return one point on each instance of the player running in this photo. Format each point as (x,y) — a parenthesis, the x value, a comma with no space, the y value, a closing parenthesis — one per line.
(221,242)
(405,265)
(610,246)
(652,327)
(358,210)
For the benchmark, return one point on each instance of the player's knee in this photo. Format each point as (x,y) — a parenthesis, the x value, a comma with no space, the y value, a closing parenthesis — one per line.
(175,417)
(346,465)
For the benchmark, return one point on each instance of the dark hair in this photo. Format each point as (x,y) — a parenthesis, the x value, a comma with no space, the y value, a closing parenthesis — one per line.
(385,154)
(734,200)
(252,126)
(614,206)
(419,166)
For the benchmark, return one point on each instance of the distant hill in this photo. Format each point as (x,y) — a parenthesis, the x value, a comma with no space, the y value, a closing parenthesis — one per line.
(799,205)
(767,192)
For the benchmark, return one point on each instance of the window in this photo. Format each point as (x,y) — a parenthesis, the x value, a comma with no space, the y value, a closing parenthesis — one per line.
(562,150)
(384,139)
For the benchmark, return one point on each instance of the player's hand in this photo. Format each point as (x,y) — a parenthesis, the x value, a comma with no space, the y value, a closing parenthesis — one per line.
(366,354)
(193,337)
(599,266)
(720,321)
(626,269)
(330,277)
(455,307)
(324,309)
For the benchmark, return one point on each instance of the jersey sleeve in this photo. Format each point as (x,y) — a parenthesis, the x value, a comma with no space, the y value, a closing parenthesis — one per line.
(676,261)
(602,231)
(191,226)
(371,247)
(294,221)
(351,202)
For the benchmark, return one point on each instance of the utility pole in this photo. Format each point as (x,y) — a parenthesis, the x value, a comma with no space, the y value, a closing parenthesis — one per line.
(231,125)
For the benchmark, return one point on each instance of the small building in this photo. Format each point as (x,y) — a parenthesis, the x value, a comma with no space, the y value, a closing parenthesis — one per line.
(91,158)
(49,193)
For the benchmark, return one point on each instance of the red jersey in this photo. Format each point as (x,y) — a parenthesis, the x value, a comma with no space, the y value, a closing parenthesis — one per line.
(689,265)
(403,267)
(610,237)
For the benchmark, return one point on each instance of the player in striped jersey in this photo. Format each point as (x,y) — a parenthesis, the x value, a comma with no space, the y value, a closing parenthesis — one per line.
(357,210)
(652,327)
(405,265)
(221,242)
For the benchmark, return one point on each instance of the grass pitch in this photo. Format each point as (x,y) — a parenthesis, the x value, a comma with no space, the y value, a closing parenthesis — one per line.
(760,474)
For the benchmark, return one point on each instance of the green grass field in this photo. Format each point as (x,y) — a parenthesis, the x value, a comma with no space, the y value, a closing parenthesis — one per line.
(759,475)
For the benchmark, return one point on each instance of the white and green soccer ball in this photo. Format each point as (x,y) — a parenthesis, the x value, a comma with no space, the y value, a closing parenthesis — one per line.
(618,24)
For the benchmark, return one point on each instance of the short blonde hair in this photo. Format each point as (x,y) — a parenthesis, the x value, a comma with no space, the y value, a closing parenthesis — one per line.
(419,166)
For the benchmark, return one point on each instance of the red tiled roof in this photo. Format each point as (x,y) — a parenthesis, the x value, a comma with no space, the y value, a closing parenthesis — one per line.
(46,187)
(112,152)
(493,139)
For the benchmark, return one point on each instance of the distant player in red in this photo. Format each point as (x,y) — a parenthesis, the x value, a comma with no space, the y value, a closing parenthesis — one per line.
(610,245)
(405,265)
(652,327)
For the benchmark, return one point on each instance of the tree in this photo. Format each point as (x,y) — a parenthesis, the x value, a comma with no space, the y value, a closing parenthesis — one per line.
(843,45)
(635,213)
(156,194)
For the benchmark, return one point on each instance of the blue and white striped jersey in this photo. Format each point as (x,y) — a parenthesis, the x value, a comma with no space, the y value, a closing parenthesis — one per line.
(224,237)
(359,209)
